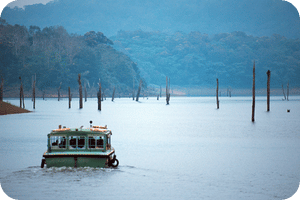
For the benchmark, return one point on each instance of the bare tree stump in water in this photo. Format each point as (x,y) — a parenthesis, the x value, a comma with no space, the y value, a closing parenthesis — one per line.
(167,90)
(70,98)
(58,91)
(113,94)
(139,91)
(253,94)
(268,90)
(33,92)
(217,94)
(85,93)
(80,92)
(99,96)
(21,94)
(133,89)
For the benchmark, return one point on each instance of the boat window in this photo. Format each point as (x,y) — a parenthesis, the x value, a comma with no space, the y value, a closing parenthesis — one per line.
(76,142)
(81,142)
(95,142)
(58,142)
(108,143)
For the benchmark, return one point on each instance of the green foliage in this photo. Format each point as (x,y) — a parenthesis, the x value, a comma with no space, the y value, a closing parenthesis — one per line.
(197,59)
(56,56)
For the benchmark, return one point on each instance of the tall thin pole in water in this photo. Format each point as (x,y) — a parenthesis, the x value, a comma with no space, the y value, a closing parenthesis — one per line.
(99,96)
(268,90)
(70,98)
(133,89)
(253,93)
(113,94)
(58,91)
(217,94)
(33,91)
(80,91)
(85,93)
(139,91)
(167,90)
(21,94)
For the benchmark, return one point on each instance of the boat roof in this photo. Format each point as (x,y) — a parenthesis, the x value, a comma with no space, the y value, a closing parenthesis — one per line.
(91,130)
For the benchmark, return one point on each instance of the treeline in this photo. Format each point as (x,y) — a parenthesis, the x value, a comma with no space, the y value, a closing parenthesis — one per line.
(197,59)
(56,58)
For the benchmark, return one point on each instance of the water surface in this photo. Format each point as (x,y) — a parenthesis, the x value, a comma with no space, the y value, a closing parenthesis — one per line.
(185,150)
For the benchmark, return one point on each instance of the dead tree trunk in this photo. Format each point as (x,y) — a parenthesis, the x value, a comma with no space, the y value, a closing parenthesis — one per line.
(21,89)
(33,92)
(113,94)
(268,90)
(58,91)
(21,94)
(253,94)
(99,96)
(70,98)
(287,91)
(85,94)
(167,90)
(133,89)
(139,91)
(217,94)
(80,92)
(283,92)
(1,90)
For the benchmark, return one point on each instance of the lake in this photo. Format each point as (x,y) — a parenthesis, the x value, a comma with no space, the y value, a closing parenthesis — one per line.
(185,150)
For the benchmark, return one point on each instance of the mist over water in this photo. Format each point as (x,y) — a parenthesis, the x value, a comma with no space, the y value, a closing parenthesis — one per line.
(185,150)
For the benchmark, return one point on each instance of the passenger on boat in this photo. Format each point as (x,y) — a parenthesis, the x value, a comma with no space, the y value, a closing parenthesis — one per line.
(62,143)
(91,142)
(100,143)
(55,143)
(73,142)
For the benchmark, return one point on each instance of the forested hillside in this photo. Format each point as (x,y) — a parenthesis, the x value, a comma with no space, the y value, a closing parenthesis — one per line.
(57,57)
(254,17)
(197,59)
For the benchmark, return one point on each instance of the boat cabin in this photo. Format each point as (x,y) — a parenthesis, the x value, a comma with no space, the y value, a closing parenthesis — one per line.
(94,139)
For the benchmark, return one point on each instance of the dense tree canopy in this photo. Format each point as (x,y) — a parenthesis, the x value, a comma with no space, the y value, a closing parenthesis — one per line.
(56,56)
(197,59)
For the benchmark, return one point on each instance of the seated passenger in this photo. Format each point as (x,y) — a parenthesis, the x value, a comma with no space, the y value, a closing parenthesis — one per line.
(81,143)
(55,143)
(100,143)
(73,142)
(62,143)
(91,142)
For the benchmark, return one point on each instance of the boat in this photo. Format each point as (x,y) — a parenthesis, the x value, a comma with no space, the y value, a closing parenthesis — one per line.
(80,147)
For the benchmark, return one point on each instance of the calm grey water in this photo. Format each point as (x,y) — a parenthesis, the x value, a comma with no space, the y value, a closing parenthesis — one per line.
(185,150)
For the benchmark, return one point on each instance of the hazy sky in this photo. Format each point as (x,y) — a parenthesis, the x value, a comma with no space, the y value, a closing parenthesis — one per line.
(22,3)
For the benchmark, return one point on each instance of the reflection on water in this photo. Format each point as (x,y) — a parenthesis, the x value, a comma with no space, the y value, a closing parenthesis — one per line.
(186,150)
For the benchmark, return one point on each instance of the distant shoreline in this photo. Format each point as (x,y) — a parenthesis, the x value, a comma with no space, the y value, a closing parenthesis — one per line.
(153,90)
(7,108)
